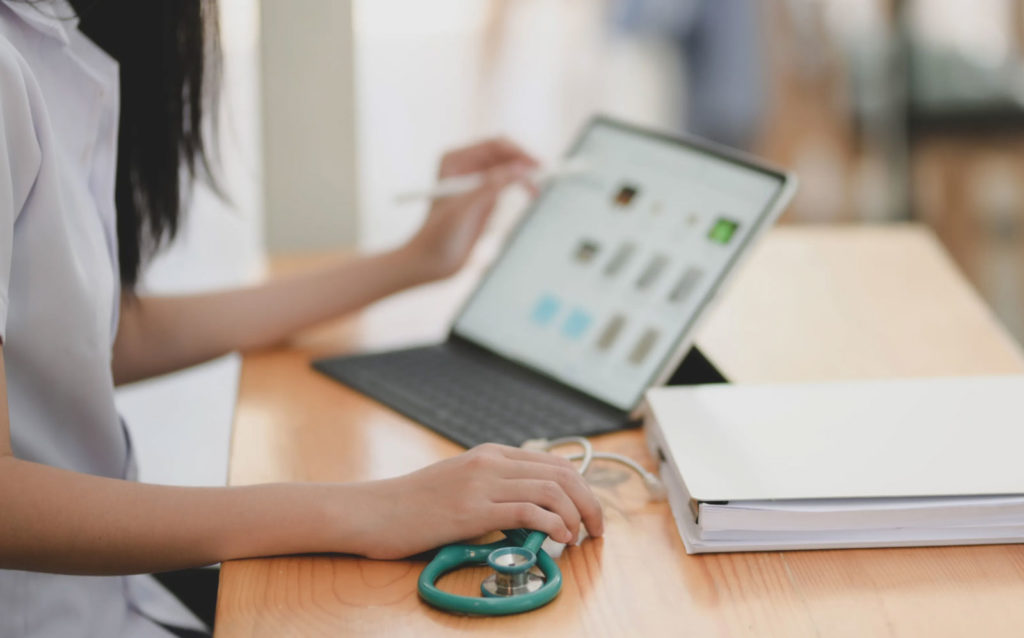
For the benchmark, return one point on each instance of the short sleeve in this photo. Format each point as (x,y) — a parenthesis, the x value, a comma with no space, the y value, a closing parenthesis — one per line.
(19,160)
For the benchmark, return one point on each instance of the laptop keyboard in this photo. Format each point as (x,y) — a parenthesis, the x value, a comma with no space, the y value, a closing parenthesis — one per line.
(470,397)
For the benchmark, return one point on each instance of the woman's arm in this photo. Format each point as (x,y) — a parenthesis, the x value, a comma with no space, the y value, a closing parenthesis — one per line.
(162,334)
(158,335)
(65,522)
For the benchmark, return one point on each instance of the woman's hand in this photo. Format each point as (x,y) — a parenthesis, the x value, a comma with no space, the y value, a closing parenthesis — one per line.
(488,488)
(454,224)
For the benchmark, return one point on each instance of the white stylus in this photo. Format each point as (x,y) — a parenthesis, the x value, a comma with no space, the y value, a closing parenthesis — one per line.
(462,184)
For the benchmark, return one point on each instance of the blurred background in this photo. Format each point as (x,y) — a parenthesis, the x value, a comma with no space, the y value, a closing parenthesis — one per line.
(888,110)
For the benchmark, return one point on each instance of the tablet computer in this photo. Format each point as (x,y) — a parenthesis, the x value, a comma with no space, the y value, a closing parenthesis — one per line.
(595,296)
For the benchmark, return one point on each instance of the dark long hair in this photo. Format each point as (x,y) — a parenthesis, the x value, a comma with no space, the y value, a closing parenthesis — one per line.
(169,56)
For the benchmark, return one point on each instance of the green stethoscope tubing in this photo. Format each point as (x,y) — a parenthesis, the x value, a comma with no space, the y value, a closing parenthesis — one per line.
(455,556)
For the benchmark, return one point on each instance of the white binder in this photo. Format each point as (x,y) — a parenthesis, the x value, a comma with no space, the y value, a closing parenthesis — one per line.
(847,464)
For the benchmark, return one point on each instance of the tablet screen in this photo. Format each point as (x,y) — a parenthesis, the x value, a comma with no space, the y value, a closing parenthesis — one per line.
(603,279)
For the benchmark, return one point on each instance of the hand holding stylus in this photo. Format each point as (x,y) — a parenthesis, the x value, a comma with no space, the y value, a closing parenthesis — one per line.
(455,222)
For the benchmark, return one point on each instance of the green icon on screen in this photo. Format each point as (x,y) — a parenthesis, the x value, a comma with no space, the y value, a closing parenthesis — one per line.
(723,230)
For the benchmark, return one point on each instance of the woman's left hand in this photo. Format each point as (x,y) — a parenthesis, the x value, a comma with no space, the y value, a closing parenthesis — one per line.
(455,223)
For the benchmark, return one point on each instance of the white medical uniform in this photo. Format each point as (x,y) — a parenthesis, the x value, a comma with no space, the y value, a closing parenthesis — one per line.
(59,290)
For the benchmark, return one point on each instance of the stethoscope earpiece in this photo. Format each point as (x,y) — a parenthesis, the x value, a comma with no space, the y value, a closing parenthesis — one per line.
(514,574)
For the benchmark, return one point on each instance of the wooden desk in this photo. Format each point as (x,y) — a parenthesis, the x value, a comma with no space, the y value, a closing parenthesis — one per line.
(811,304)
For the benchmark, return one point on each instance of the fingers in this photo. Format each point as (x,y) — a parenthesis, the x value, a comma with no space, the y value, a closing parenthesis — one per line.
(519,454)
(483,199)
(502,149)
(501,177)
(531,516)
(527,465)
(574,486)
(485,155)
(481,203)
(547,494)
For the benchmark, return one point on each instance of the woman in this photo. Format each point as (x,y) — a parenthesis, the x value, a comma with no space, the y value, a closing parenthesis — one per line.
(75,228)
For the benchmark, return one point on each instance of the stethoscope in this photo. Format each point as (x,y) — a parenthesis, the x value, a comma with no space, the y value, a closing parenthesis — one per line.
(524,576)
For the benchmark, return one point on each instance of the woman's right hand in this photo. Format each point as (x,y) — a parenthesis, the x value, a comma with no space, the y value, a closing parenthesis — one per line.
(488,488)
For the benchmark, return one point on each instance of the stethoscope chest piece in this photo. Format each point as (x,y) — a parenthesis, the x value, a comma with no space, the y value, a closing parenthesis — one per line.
(525,577)
(515,573)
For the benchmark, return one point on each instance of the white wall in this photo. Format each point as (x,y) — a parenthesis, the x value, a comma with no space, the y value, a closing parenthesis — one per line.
(308,109)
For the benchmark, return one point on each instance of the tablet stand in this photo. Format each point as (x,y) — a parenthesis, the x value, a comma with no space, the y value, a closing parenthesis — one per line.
(696,369)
